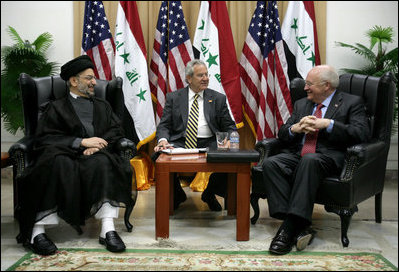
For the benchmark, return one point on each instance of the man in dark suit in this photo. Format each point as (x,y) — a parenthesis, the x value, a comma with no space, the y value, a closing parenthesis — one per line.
(332,120)
(213,116)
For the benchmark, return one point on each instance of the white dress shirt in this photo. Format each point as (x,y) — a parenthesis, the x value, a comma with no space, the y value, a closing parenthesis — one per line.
(203,128)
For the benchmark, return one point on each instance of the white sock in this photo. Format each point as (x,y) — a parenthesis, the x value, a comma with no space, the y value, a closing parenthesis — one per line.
(107,225)
(37,229)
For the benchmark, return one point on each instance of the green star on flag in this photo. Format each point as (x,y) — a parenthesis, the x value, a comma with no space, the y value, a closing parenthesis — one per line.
(295,26)
(141,94)
(312,59)
(212,59)
(124,56)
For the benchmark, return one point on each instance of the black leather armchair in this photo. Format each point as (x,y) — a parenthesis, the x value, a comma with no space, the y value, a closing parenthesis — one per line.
(364,170)
(35,92)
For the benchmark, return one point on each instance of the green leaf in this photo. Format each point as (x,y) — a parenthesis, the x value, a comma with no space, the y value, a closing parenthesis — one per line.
(21,57)
(374,40)
(359,49)
(43,42)
(15,36)
(383,34)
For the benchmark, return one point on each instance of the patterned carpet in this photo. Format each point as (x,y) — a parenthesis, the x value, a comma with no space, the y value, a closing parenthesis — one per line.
(177,260)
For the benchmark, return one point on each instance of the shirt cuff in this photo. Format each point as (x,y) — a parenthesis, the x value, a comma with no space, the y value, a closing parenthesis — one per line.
(76,143)
(290,132)
(330,126)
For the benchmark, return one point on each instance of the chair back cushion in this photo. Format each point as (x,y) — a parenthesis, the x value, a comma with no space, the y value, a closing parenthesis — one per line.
(36,92)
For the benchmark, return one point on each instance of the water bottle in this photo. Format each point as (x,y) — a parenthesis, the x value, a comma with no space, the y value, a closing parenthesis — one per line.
(234,141)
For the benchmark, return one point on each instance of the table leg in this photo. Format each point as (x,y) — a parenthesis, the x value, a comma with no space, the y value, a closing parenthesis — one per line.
(231,194)
(243,184)
(162,204)
(171,193)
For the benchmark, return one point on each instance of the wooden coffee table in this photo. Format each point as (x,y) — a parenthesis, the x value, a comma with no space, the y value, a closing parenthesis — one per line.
(238,188)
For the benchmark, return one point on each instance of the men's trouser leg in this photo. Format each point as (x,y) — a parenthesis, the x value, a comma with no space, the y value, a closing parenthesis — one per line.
(39,227)
(277,175)
(312,168)
(107,213)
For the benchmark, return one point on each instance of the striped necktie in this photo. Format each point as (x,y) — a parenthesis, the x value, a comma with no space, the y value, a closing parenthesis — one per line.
(311,139)
(192,125)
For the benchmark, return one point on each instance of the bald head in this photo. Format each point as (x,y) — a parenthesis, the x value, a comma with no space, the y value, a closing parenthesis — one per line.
(326,73)
(321,82)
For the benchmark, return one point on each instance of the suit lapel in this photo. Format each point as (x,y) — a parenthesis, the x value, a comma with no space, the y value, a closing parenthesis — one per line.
(208,106)
(336,101)
(183,105)
(309,107)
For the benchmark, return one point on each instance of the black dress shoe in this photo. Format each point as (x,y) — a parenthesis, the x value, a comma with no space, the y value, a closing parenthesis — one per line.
(178,200)
(212,202)
(42,245)
(113,242)
(305,238)
(282,243)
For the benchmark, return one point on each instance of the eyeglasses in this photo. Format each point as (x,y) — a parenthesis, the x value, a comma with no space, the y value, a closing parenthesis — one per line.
(310,84)
(202,75)
(89,77)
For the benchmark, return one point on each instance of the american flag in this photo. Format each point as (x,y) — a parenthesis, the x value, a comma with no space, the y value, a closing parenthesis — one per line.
(264,80)
(172,50)
(159,61)
(180,47)
(97,41)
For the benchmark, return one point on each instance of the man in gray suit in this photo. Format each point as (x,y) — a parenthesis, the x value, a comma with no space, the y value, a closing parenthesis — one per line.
(213,117)
(332,120)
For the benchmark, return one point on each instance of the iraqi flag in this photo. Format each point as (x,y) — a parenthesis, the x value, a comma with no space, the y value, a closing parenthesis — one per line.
(214,44)
(300,38)
(131,66)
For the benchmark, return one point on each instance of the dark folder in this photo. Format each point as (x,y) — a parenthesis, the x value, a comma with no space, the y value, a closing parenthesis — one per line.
(232,156)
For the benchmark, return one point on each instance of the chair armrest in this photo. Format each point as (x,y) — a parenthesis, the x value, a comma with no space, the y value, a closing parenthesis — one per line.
(19,154)
(126,148)
(361,156)
(267,147)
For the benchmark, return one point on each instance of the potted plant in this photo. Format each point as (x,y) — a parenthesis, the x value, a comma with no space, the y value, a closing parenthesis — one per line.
(379,62)
(21,57)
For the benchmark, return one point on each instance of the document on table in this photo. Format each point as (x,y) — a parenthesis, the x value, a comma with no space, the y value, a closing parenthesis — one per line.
(180,150)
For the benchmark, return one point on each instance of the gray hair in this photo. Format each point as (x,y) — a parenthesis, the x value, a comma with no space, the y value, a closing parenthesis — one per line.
(189,70)
(328,74)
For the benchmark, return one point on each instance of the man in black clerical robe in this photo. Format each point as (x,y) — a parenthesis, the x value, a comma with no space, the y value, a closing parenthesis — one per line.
(77,172)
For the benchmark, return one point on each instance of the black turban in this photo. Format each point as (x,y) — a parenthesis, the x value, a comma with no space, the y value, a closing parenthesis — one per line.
(75,66)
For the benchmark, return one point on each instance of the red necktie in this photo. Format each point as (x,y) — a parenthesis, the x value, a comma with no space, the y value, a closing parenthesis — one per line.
(310,140)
